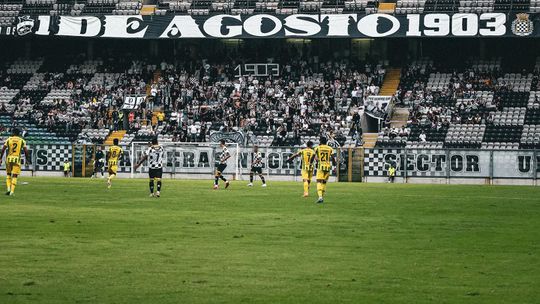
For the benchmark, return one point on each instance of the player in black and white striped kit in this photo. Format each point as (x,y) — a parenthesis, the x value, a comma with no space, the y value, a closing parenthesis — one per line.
(225,154)
(154,155)
(256,167)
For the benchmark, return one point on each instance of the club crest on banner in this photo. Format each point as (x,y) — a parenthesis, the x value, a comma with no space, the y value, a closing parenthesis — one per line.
(25,25)
(522,25)
(235,137)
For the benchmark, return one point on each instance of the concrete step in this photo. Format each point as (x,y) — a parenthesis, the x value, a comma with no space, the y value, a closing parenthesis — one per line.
(369,139)
(113,135)
(391,82)
(387,7)
(148,10)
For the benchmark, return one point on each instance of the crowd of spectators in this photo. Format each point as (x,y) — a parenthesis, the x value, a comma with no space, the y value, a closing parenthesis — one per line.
(305,99)
(190,99)
(468,97)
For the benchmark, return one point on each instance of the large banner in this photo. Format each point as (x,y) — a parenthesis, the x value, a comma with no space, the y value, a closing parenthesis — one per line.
(452,163)
(203,160)
(432,163)
(46,157)
(132,102)
(377,106)
(279,26)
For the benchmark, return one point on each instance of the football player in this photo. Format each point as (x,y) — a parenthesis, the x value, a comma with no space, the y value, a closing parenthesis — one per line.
(256,167)
(154,155)
(225,155)
(307,156)
(113,156)
(324,154)
(14,145)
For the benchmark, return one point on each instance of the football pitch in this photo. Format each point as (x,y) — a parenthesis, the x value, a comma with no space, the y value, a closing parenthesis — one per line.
(74,241)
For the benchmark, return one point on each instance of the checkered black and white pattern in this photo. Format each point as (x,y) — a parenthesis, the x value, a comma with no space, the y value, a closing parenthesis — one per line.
(257,160)
(155,157)
(50,157)
(376,162)
(523,27)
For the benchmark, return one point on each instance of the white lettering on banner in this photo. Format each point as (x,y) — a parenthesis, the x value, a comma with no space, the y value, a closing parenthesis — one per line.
(124,26)
(438,24)
(338,24)
(44,22)
(414,26)
(301,25)
(464,24)
(182,27)
(270,25)
(253,25)
(495,24)
(86,26)
(369,24)
(213,25)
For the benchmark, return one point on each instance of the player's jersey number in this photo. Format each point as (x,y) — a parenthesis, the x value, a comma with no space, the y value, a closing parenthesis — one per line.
(325,157)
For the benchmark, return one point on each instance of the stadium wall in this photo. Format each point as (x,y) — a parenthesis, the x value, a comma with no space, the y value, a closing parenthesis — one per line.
(438,166)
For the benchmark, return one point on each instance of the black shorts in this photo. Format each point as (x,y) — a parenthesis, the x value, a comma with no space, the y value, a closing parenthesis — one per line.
(257,170)
(221,167)
(155,173)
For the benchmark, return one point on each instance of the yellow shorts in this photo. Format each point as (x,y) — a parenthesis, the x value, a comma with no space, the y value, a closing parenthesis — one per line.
(13,168)
(307,174)
(113,169)
(324,175)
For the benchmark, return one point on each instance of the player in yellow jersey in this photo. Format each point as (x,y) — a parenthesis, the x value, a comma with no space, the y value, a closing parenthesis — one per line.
(307,156)
(14,145)
(113,156)
(324,154)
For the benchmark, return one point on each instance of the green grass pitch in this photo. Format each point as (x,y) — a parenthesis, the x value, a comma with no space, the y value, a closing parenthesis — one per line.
(74,241)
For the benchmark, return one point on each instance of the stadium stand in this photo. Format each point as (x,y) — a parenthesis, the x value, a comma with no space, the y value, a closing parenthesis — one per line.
(480,107)
(80,100)
(82,103)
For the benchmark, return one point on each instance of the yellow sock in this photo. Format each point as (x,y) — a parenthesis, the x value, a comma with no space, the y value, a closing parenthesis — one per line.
(320,189)
(8,183)
(324,188)
(13,184)
(306,187)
